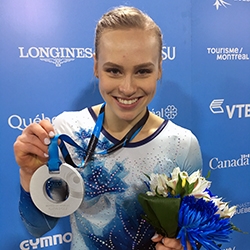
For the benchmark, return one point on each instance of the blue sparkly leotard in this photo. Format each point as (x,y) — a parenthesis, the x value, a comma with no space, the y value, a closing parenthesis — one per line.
(110,215)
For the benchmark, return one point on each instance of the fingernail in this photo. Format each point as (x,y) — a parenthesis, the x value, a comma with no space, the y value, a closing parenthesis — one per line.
(46,141)
(155,236)
(51,134)
(46,155)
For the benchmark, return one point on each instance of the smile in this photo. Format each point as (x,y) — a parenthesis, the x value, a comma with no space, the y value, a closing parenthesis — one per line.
(127,102)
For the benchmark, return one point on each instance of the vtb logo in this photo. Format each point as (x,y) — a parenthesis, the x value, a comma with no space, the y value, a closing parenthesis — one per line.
(235,110)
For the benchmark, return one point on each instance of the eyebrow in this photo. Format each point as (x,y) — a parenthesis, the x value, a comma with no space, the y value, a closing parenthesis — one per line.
(143,65)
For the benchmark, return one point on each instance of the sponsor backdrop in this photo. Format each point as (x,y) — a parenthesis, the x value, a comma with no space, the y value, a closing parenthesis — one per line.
(46,67)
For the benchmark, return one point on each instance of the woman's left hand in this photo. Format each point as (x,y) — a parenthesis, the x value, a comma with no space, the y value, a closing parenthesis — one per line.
(164,243)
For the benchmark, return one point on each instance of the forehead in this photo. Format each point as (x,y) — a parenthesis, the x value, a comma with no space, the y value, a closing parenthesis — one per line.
(129,43)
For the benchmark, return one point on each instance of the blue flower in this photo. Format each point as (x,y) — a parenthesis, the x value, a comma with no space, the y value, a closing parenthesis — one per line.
(198,222)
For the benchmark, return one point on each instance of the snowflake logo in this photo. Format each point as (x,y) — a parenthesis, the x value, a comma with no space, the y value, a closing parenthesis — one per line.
(219,3)
(171,112)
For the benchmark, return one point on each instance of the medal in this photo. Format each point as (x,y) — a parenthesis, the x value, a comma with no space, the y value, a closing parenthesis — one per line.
(45,202)
(67,196)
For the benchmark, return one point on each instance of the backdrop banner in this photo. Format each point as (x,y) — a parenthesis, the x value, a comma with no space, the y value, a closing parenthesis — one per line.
(46,67)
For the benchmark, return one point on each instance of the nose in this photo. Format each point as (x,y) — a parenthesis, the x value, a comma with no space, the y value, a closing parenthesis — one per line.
(128,86)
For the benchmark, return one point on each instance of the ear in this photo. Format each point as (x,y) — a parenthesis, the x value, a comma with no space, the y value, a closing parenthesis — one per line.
(95,66)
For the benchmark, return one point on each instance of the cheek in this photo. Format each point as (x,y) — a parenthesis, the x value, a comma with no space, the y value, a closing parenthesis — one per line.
(105,86)
(149,88)
(101,87)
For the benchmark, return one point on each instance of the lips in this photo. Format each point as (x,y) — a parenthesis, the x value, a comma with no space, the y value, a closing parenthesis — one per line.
(126,101)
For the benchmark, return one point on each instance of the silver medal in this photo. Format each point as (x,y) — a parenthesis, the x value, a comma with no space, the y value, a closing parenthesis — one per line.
(57,206)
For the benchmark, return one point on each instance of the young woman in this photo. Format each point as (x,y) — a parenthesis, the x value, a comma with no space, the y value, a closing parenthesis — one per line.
(128,63)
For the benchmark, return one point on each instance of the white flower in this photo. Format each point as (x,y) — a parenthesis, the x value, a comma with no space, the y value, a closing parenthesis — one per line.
(175,173)
(158,184)
(183,175)
(224,209)
(229,211)
(171,182)
(200,188)
(194,176)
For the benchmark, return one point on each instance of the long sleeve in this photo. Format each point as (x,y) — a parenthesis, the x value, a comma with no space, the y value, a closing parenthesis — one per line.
(36,222)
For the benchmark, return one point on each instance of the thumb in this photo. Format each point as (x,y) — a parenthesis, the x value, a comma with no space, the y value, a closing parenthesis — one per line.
(157,237)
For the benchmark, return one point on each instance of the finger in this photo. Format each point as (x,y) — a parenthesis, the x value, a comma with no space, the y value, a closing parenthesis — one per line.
(34,139)
(48,127)
(189,247)
(160,246)
(172,243)
(38,131)
(32,144)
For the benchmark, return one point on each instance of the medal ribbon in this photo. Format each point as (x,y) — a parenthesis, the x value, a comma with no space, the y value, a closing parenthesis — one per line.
(93,142)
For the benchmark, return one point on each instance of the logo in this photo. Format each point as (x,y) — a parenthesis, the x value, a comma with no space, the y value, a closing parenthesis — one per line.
(215,106)
(170,112)
(219,3)
(235,110)
(59,56)
(222,3)
(243,208)
(17,122)
(168,53)
(242,161)
(55,55)
(46,241)
(228,54)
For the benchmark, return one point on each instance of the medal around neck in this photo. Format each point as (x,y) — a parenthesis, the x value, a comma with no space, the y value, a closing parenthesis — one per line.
(67,190)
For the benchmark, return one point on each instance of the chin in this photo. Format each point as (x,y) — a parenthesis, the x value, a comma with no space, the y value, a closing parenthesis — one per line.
(128,115)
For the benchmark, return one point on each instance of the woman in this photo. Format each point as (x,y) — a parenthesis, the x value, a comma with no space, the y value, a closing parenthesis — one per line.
(128,63)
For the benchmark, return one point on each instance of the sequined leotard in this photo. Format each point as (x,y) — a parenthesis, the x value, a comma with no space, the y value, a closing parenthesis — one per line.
(110,216)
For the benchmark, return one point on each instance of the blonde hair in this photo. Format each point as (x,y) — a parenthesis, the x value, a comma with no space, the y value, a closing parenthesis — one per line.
(125,17)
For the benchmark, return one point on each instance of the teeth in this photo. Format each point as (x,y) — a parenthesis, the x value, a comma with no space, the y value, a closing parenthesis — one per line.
(127,102)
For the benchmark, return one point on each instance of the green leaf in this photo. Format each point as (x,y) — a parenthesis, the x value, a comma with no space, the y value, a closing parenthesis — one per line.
(161,213)
(208,174)
(150,214)
(237,229)
(179,190)
(189,188)
(170,190)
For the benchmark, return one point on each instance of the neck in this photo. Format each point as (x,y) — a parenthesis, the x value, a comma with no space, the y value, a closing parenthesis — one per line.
(119,127)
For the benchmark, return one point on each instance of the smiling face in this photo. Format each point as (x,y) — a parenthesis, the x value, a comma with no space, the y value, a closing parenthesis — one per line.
(128,67)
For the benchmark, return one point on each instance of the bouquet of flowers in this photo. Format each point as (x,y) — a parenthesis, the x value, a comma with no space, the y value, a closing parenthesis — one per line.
(182,207)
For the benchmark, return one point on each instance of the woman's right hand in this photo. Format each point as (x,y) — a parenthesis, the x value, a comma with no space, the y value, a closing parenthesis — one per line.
(31,149)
